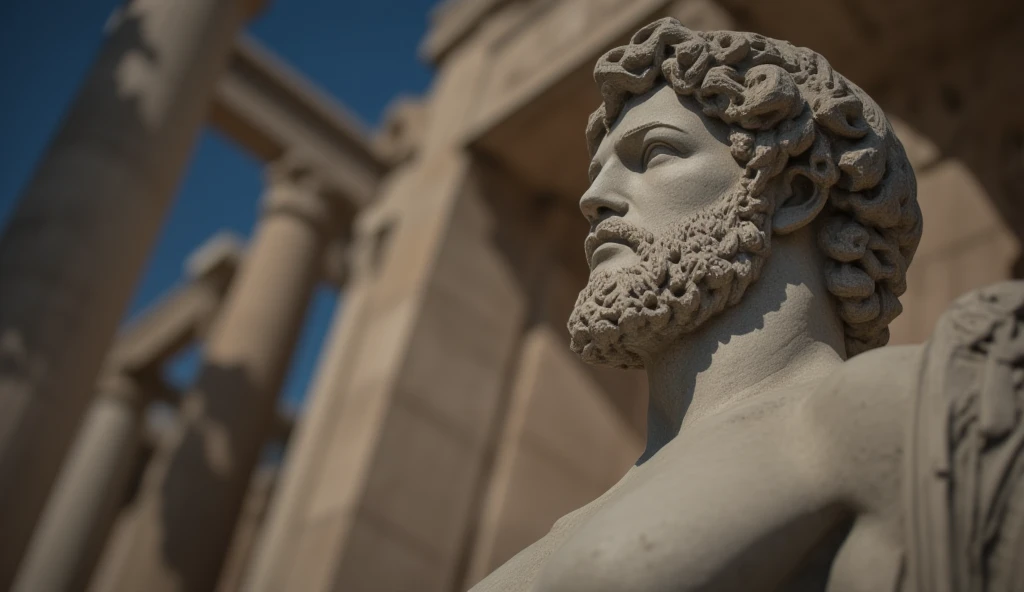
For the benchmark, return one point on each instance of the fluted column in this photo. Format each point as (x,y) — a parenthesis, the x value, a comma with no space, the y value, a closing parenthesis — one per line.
(75,246)
(193,490)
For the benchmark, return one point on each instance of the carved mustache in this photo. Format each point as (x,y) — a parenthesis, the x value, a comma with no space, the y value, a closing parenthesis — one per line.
(612,230)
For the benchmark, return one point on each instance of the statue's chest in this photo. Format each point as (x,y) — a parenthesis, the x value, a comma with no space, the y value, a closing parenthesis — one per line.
(728,510)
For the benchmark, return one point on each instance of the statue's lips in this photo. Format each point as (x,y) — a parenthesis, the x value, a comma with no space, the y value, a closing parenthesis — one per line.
(607,233)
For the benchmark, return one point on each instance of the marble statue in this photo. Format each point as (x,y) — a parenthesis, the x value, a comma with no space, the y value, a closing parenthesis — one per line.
(752,220)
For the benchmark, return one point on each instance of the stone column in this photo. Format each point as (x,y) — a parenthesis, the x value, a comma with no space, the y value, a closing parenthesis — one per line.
(84,497)
(77,242)
(181,526)
(304,454)
(94,479)
(379,486)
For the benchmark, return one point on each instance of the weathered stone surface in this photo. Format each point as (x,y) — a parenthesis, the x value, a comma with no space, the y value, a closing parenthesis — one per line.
(74,248)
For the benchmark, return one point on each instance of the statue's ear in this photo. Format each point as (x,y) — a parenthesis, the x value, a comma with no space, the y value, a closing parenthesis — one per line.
(803,203)
(804,188)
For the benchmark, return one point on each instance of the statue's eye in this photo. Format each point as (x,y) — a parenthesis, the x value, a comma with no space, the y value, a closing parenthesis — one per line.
(658,153)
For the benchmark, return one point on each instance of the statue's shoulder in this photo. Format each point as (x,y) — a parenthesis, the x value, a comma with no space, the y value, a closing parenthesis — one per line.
(889,379)
(858,417)
(964,471)
(882,371)
(859,400)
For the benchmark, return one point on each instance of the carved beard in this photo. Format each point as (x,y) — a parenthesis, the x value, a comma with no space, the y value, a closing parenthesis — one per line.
(692,272)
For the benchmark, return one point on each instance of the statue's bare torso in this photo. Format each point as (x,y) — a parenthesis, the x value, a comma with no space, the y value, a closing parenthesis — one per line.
(797,489)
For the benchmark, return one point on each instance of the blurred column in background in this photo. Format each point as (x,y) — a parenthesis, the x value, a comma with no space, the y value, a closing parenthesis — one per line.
(94,479)
(380,483)
(383,484)
(77,242)
(305,454)
(179,530)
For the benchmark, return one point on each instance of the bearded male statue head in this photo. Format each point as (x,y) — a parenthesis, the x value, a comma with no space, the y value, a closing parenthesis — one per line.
(752,220)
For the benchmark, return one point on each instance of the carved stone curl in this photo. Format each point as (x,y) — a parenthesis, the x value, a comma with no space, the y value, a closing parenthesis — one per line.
(794,121)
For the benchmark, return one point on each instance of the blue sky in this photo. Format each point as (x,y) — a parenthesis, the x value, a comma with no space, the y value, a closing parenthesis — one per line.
(362,52)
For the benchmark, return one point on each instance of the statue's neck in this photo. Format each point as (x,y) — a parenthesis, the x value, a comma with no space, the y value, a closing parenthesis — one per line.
(784,331)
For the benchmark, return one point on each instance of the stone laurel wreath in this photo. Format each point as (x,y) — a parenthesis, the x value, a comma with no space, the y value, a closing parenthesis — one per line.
(791,116)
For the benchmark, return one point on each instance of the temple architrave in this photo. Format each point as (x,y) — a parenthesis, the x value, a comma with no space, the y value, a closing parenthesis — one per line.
(447,425)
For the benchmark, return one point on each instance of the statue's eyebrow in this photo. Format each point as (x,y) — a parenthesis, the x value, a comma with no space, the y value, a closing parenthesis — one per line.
(627,136)
(644,127)
(629,141)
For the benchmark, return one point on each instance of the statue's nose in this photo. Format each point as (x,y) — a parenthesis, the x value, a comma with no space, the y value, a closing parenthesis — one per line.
(598,205)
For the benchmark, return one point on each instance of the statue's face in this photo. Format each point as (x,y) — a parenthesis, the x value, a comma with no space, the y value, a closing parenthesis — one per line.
(667,247)
(662,162)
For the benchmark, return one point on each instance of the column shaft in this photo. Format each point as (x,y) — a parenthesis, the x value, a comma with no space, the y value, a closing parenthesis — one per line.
(182,525)
(70,533)
(305,450)
(382,489)
(377,493)
(96,476)
(77,242)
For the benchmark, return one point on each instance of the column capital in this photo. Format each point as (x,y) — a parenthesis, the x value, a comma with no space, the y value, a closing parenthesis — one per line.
(295,187)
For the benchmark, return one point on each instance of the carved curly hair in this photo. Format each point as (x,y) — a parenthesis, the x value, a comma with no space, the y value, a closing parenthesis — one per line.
(791,115)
